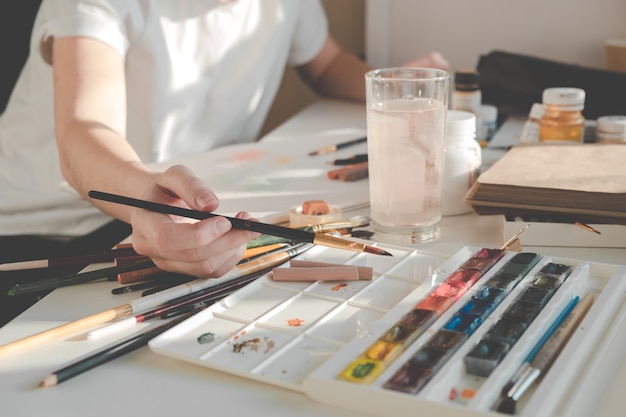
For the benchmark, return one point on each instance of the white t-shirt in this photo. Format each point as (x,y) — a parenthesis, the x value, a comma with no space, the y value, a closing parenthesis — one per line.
(199,74)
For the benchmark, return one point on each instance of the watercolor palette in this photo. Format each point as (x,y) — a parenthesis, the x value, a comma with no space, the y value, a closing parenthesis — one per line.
(429,332)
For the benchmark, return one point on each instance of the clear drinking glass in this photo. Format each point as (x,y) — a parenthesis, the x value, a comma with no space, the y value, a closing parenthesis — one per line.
(406,122)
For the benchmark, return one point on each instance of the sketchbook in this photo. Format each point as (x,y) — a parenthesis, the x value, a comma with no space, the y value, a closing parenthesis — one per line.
(266,179)
(578,182)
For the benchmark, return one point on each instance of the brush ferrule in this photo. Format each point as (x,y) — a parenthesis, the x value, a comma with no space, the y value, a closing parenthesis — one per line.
(339,243)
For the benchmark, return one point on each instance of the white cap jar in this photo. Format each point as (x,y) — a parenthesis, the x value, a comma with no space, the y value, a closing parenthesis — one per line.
(462,163)
(611,129)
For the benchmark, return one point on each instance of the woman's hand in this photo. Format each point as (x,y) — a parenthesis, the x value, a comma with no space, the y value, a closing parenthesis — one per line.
(207,248)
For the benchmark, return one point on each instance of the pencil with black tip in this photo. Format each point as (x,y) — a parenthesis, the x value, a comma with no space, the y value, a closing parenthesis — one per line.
(142,304)
(294,235)
(108,354)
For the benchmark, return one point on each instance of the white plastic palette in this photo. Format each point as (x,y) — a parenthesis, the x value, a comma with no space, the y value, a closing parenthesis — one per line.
(303,336)
(278,332)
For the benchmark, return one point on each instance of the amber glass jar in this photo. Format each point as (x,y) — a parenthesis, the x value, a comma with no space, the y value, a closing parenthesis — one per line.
(562,119)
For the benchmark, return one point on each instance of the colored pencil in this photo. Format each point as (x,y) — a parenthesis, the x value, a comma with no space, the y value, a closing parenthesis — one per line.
(108,354)
(142,304)
(79,278)
(338,146)
(182,304)
(355,159)
(90,258)
(295,235)
(544,353)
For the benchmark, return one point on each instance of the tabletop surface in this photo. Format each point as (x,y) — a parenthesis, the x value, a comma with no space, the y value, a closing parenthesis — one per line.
(146,383)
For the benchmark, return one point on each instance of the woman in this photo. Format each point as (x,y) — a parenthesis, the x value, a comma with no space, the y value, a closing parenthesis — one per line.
(122,83)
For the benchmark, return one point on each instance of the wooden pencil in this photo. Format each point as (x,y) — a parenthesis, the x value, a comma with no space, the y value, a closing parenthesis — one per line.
(110,353)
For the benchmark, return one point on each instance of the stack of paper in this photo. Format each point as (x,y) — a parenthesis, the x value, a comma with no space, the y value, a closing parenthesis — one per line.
(568,183)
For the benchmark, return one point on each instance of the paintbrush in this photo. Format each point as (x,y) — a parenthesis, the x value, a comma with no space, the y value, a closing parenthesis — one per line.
(294,235)
(543,357)
(337,226)
(142,304)
(338,146)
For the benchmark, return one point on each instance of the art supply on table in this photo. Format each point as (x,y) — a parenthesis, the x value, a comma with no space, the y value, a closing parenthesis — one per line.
(466,94)
(342,227)
(79,278)
(142,304)
(530,131)
(134,287)
(488,125)
(587,227)
(539,361)
(140,275)
(514,240)
(336,147)
(611,129)
(165,285)
(295,235)
(313,212)
(300,336)
(355,159)
(108,354)
(565,182)
(182,304)
(311,271)
(562,119)
(463,161)
(350,173)
(406,124)
(101,257)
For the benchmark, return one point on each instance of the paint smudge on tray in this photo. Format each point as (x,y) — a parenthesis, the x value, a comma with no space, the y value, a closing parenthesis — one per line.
(339,287)
(254,345)
(295,322)
(205,338)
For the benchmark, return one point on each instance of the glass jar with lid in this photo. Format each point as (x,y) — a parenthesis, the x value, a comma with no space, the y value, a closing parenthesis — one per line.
(611,129)
(562,119)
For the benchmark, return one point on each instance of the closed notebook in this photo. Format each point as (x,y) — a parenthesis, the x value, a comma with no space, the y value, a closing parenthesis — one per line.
(577,182)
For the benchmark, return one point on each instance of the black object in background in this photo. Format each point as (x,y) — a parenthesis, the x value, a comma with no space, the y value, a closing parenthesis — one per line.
(517,81)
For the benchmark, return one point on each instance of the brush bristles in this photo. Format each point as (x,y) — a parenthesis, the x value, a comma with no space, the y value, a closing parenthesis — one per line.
(376,251)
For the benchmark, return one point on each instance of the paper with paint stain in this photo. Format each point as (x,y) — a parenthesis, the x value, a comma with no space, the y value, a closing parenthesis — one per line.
(267,179)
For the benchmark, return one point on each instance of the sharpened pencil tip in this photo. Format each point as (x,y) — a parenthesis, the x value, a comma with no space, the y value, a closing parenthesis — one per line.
(376,251)
(48,381)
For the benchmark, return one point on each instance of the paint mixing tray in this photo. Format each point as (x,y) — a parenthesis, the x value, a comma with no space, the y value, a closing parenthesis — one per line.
(429,333)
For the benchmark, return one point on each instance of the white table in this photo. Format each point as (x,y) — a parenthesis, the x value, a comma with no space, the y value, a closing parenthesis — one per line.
(147,384)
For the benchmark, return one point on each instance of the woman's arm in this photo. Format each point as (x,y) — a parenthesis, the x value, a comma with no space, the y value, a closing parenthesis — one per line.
(339,74)
(90,122)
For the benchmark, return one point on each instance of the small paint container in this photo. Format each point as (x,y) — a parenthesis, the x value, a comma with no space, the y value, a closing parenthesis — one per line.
(363,370)
(409,378)
(560,271)
(402,334)
(523,311)
(297,218)
(507,331)
(429,358)
(463,323)
(505,282)
(485,356)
